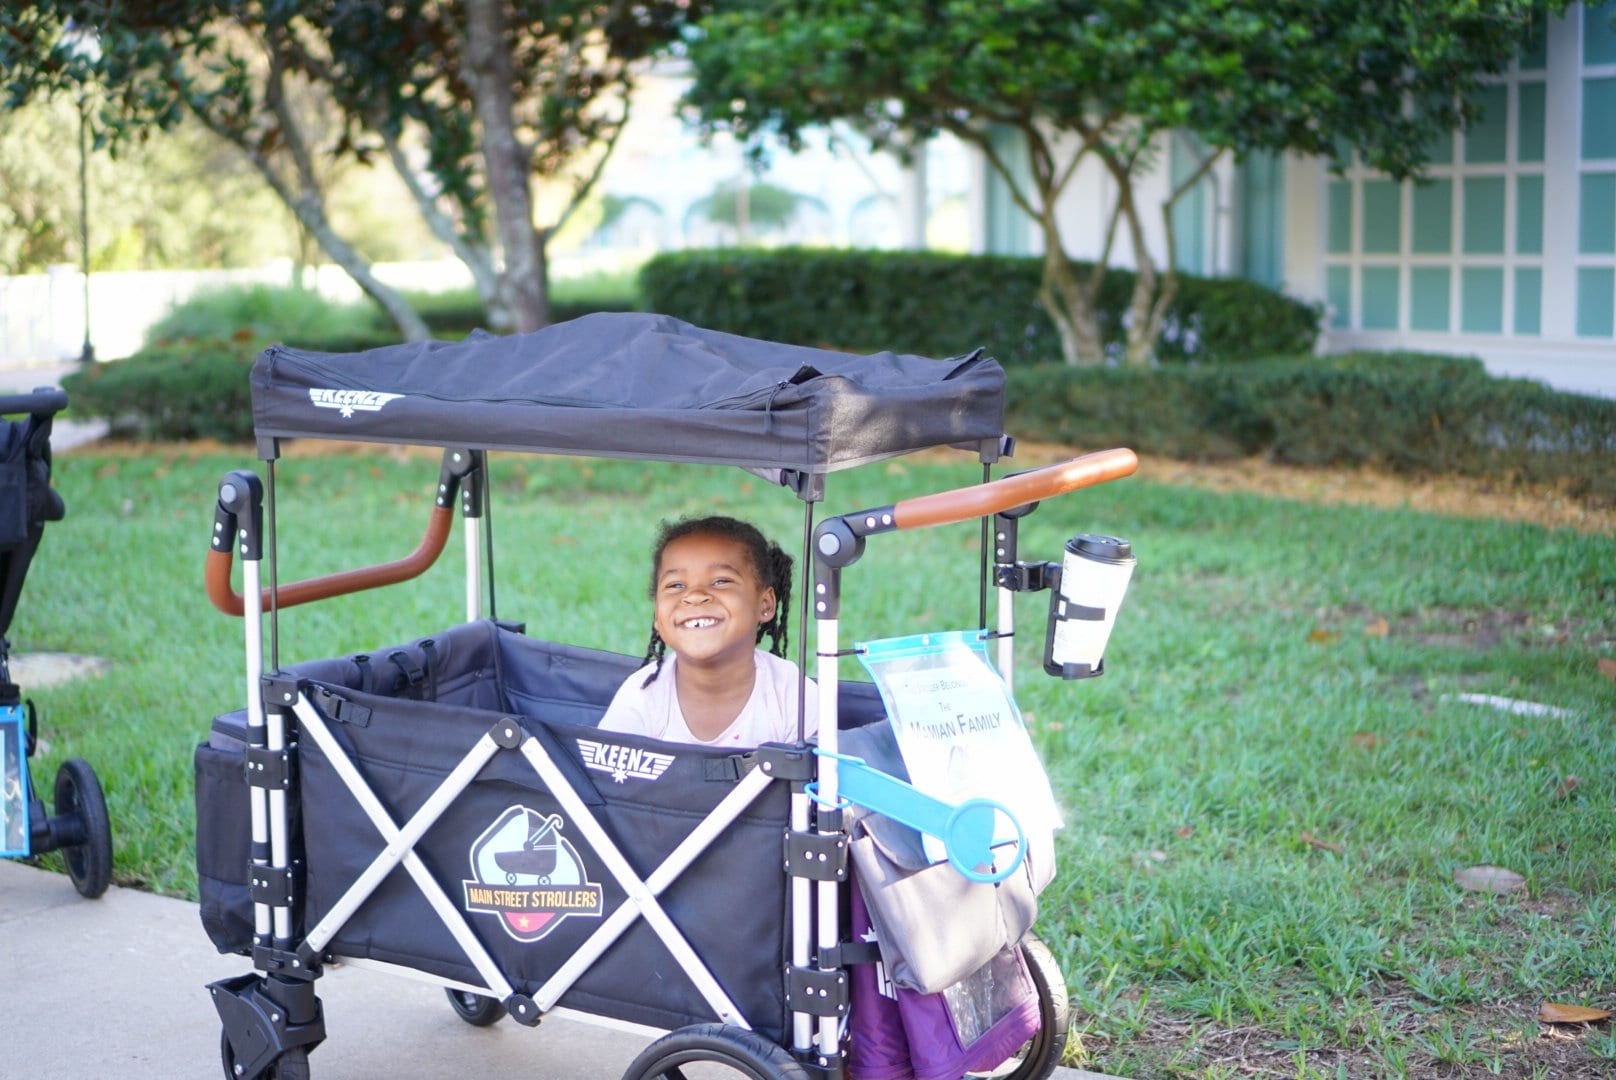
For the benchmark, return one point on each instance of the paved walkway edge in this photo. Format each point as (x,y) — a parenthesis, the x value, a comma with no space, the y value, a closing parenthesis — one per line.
(117,987)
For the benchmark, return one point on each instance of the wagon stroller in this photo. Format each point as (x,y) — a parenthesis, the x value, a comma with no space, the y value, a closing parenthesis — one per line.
(446,808)
(79,829)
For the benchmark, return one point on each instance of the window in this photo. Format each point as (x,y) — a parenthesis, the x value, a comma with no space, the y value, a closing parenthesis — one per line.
(1596,180)
(1462,250)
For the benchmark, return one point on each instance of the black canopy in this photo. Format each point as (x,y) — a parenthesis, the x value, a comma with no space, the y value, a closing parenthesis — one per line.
(634,386)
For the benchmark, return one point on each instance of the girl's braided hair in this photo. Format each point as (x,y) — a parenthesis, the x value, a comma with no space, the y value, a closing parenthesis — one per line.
(769,561)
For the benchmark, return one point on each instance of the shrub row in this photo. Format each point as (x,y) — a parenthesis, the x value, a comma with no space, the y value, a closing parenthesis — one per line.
(1407,413)
(937,304)
(190,382)
(1411,413)
(191,389)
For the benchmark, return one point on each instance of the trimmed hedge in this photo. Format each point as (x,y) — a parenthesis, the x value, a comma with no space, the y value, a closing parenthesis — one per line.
(191,389)
(190,381)
(453,315)
(1407,413)
(936,304)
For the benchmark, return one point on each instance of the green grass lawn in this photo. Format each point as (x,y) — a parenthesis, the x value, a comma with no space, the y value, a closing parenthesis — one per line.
(1267,794)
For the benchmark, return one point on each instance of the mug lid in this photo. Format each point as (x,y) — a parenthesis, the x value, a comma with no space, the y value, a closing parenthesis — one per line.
(1096,546)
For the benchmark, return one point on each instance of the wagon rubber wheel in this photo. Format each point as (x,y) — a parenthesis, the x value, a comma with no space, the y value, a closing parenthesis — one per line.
(744,1052)
(1041,1053)
(291,1065)
(475,1009)
(79,799)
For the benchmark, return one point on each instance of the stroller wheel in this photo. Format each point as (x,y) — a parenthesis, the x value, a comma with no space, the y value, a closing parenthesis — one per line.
(79,799)
(475,1009)
(743,1052)
(1042,1053)
(291,1065)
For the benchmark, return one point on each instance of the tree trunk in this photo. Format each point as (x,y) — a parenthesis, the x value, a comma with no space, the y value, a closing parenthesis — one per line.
(1142,331)
(507,164)
(1069,301)
(1166,293)
(409,323)
(303,196)
(310,213)
(1143,328)
(1070,304)
(474,254)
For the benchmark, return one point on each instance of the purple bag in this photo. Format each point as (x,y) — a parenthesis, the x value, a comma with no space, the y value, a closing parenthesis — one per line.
(901,1034)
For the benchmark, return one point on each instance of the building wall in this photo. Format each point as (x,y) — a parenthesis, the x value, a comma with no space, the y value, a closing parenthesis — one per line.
(1204,219)
(1508,251)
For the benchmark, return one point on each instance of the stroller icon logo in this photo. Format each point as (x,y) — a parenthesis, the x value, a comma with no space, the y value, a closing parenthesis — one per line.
(349,402)
(529,875)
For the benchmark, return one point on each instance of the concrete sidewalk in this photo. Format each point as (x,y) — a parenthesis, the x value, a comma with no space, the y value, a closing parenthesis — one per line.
(117,987)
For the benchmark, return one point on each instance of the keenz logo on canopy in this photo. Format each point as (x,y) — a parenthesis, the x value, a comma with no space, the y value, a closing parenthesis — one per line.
(350,401)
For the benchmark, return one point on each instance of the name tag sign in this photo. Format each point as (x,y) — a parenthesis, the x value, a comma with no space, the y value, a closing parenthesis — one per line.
(959,730)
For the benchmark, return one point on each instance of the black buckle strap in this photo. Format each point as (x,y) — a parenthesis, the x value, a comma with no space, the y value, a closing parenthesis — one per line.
(340,708)
(411,677)
(367,677)
(728,770)
(429,656)
(849,953)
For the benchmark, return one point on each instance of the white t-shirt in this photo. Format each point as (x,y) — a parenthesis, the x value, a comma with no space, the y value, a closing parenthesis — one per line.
(770,714)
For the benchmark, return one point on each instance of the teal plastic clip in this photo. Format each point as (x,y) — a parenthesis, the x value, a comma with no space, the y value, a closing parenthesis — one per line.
(966,830)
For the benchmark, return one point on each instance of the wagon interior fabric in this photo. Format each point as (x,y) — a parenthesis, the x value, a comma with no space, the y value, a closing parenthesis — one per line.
(525,879)
(633,385)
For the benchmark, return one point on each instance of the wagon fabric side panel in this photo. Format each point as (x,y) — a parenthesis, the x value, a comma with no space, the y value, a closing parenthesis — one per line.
(530,885)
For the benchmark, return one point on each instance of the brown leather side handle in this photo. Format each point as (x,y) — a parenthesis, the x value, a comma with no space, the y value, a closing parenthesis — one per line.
(1009,492)
(412,565)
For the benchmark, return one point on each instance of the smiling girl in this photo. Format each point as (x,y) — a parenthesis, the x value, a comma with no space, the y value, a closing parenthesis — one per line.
(718,586)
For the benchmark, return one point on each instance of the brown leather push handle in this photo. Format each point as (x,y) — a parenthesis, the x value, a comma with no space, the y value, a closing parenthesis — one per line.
(412,565)
(1009,492)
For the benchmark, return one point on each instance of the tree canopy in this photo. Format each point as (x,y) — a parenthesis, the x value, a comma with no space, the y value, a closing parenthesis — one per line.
(471,102)
(1107,80)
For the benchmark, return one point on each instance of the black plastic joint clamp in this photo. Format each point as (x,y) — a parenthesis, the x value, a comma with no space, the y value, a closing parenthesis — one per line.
(275,886)
(238,519)
(783,761)
(816,856)
(1026,576)
(816,992)
(269,769)
(286,963)
(462,471)
(523,1009)
(279,690)
(507,734)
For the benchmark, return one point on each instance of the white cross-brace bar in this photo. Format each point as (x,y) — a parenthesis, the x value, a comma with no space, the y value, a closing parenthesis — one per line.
(642,895)
(400,846)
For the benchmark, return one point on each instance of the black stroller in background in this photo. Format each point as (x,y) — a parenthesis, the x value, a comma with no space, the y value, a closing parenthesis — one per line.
(79,829)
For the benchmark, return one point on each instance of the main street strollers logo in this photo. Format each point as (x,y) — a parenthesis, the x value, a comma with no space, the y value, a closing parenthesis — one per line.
(526,872)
